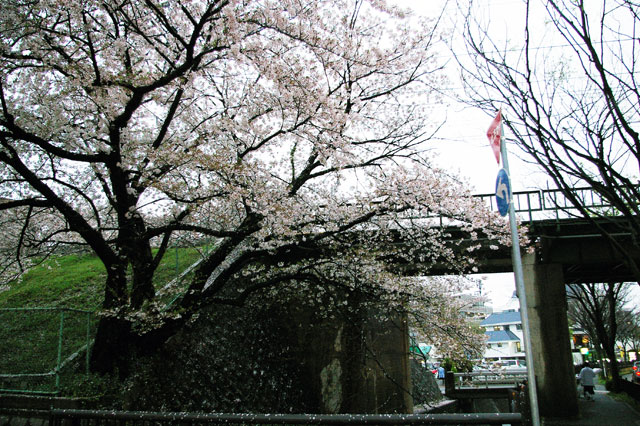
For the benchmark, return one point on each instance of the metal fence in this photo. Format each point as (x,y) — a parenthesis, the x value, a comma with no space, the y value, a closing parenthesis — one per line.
(91,418)
(37,343)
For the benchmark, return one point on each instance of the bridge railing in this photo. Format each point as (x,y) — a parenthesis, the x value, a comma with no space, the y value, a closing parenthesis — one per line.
(486,379)
(553,203)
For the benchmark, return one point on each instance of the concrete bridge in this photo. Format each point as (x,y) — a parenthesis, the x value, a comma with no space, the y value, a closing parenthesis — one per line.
(568,250)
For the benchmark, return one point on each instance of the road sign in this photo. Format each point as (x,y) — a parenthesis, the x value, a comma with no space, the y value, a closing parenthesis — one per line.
(503,192)
(495,135)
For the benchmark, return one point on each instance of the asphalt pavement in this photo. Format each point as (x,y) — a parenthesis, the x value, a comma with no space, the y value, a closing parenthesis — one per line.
(601,411)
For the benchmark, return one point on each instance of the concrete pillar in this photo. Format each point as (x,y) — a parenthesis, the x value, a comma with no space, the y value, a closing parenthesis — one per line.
(549,330)
(358,364)
(387,370)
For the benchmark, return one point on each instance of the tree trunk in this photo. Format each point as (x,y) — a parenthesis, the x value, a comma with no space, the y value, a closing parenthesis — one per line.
(117,344)
(611,341)
(615,374)
(112,350)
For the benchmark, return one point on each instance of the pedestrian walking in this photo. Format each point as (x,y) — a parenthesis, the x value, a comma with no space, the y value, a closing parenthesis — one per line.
(441,373)
(586,377)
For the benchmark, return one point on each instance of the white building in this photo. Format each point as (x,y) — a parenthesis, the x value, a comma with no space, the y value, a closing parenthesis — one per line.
(504,336)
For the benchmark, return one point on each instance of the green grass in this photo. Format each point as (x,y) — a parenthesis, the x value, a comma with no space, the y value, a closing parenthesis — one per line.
(73,281)
(77,281)
(30,337)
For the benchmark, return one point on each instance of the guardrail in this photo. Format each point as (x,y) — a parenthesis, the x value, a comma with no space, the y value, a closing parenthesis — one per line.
(121,418)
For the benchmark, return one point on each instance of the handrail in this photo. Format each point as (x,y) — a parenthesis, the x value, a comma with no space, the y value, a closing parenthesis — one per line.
(58,416)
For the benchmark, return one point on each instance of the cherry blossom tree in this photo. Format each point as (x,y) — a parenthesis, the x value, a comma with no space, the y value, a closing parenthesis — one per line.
(292,134)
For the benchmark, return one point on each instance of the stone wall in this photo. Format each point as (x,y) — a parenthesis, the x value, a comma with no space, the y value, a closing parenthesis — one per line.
(280,357)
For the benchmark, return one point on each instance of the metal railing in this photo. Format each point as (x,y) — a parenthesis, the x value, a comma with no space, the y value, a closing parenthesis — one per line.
(553,203)
(59,361)
(91,417)
(487,384)
(486,379)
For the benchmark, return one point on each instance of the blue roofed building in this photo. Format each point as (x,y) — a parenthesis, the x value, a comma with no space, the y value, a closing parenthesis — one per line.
(504,336)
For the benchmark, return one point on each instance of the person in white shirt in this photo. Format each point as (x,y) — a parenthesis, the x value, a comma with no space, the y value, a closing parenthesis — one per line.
(586,377)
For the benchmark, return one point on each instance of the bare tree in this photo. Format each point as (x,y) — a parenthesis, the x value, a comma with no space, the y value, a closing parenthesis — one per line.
(594,307)
(627,326)
(635,336)
(570,96)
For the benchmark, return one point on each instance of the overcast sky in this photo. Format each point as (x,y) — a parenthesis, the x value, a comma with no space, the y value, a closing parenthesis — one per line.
(462,146)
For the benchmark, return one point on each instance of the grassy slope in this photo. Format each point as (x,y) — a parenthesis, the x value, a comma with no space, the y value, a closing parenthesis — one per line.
(30,338)
(77,281)
(73,281)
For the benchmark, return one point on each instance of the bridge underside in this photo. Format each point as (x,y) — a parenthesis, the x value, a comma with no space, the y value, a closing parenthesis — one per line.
(565,252)
(584,255)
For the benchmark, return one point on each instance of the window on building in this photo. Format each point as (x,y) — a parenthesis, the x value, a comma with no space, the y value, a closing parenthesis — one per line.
(489,346)
(497,328)
(506,327)
(518,326)
(518,347)
(499,345)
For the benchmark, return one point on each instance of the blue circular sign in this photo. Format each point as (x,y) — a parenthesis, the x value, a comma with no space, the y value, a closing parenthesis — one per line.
(503,192)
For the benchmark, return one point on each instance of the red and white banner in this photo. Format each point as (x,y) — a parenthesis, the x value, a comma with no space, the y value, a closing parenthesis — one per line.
(495,136)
